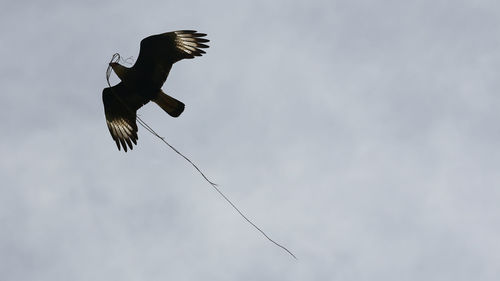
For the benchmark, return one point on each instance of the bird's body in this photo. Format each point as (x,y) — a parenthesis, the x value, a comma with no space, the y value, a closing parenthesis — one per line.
(142,82)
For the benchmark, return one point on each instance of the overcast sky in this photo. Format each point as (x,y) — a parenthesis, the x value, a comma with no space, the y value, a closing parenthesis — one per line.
(362,135)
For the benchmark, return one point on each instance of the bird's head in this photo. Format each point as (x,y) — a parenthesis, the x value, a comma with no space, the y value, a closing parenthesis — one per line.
(117,68)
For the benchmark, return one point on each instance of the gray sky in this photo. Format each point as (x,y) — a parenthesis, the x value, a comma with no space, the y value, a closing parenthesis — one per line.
(363,135)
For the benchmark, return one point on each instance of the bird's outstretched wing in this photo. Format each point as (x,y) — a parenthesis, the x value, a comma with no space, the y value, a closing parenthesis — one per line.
(159,52)
(120,108)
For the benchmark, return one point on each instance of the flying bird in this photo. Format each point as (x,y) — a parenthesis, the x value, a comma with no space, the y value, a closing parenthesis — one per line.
(142,82)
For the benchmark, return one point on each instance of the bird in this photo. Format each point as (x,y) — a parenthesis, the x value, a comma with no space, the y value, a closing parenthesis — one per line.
(142,82)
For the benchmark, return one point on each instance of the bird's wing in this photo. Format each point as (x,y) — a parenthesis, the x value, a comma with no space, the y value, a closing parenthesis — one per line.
(120,108)
(159,52)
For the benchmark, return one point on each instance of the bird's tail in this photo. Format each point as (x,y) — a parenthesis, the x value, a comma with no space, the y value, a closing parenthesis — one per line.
(172,106)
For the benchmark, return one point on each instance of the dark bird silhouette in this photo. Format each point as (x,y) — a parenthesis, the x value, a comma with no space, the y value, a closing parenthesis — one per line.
(142,82)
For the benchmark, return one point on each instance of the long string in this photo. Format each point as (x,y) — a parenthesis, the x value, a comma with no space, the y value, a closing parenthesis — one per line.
(115,58)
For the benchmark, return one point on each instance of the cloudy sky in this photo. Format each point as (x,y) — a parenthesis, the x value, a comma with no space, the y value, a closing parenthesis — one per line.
(363,135)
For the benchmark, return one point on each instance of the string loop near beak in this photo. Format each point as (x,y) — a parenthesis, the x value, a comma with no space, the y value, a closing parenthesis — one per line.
(115,58)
